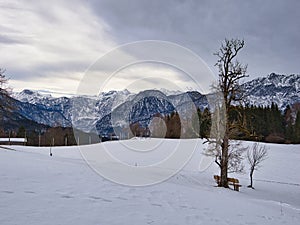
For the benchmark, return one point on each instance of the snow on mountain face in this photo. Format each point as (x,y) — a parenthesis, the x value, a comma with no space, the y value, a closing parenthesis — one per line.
(80,111)
(33,97)
(86,111)
(91,113)
(280,89)
(141,108)
(169,92)
(147,104)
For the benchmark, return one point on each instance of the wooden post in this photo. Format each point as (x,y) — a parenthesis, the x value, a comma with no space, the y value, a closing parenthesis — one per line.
(25,138)
(9,137)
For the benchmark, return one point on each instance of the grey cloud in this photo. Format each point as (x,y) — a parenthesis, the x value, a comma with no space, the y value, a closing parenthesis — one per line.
(4,39)
(271,29)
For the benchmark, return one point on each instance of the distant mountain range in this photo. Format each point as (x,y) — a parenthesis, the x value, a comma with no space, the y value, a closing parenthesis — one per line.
(101,113)
(281,89)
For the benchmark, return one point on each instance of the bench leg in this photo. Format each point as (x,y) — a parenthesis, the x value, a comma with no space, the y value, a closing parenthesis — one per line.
(236,187)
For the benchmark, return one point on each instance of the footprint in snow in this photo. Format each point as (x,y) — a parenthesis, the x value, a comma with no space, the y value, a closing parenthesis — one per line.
(105,200)
(100,198)
(122,198)
(155,204)
(94,197)
(8,192)
(66,196)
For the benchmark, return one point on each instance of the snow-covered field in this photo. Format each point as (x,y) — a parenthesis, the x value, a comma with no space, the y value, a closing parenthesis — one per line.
(37,189)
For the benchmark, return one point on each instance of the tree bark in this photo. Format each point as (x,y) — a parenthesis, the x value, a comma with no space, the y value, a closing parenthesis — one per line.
(224,163)
(251,178)
(230,73)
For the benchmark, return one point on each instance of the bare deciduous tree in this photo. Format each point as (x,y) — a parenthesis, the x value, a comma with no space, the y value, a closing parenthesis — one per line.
(231,71)
(235,156)
(3,82)
(255,156)
(4,90)
(5,101)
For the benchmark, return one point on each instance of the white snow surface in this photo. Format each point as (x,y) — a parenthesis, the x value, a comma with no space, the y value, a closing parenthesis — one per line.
(37,189)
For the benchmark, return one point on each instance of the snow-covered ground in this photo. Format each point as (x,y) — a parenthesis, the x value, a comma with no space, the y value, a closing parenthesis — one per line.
(37,189)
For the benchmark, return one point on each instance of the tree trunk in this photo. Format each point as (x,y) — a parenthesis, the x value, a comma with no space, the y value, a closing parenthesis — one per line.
(251,178)
(224,163)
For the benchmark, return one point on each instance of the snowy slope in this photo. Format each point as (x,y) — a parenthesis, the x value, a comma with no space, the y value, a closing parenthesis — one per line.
(80,111)
(33,97)
(37,189)
(281,89)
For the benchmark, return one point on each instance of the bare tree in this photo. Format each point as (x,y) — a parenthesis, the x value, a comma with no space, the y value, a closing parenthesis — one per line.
(5,101)
(231,71)
(4,89)
(235,155)
(255,156)
(3,82)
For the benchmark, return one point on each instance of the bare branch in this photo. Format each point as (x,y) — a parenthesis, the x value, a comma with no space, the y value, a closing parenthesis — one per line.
(255,156)
(228,154)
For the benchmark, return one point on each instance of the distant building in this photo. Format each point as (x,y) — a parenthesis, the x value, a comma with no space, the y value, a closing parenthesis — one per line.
(13,141)
(109,137)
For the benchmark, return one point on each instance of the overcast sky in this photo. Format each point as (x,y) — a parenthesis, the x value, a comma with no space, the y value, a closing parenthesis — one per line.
(49,45)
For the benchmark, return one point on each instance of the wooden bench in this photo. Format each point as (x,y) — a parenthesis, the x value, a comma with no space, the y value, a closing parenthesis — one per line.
(231,181)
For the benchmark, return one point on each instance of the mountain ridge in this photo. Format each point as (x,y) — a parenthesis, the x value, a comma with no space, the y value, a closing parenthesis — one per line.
(88,112)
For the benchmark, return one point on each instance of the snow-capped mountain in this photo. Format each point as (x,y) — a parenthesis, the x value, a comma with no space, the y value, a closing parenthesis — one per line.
(93,113)
(141,108)
(281,89)
(169,92)
(34,97)
(97,113)
(81,112)
(87,111)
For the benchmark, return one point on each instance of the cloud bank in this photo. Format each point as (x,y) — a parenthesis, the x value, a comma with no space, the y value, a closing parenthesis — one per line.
(50,45)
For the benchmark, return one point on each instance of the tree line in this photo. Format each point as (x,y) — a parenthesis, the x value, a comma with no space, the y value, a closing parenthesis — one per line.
(52,136)
(259,123)
(256,123)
